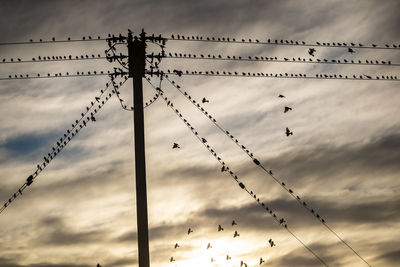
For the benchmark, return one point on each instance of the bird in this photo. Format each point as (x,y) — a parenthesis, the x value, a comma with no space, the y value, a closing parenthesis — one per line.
(287,109)
(281,221)
(288,132)
(98,265)
(261,261)
(171,259)
(209,246)
(243,264)
(271,243)
(236,234)
(223,169)
(311,51)
(204,100)
(351,51)
(92,118)
(281,96)
(176,245)
(175,145)
(228,257)
(234,223)
(190,231)
(220,228)
(212,259)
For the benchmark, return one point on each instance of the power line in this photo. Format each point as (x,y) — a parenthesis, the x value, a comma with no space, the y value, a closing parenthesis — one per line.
(280,42)
(42,59)
(56,75)
(258,163)
(94,106)
(211,73)
(69,40)
(279,60)
(225,168)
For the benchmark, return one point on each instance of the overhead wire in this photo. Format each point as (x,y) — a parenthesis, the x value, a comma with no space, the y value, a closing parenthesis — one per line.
(281,42)
(275,59)
(322,76)
(225,167)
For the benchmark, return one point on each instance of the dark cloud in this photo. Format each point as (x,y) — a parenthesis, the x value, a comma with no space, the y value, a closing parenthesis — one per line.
(4,262)
(57,233)
(392,257)
(28,143)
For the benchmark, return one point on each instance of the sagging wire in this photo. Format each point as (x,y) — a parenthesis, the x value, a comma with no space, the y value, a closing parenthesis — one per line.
(225,168)
(70,133)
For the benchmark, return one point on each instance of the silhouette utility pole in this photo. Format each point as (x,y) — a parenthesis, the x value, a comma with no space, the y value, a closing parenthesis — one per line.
(137,57)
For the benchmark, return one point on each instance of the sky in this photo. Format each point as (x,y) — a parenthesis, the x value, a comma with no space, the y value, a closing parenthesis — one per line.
(342,159)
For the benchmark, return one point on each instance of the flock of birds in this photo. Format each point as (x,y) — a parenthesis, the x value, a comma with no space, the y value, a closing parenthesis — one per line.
(279,42)
(286,109)
(228,257)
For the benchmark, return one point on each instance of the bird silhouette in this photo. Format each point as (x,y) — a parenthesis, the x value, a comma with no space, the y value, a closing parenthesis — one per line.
(261,261)
(176,245)
(204,100)
(220,228)
(287,109)
(92,118)
(281,96)
(242,263)
(311,51)
(281,221)
(171,259)
(234,223)
(288,132)
(236,234)
(228,257)
(212,259)
(190,231)
(209,246)
(350,50)
(98,265)
(175,145)
(271,243)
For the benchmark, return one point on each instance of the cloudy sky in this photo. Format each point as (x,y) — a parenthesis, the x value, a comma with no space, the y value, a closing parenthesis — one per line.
(343,158)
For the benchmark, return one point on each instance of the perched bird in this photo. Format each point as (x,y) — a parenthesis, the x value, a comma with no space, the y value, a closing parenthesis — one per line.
(281,96)
(288,132)
(176,245)
(212,259)
(171,259)
(271,243)
(234,223)
(92,118)
(281,221)
(311,51)
(223,169)
(220,228)
(287,109)
(351,51)
(175,145)
(228,257)
(236,234)
(242,263)
(204,100)
(190,231)
(209,246)
(261,261)
(98,265)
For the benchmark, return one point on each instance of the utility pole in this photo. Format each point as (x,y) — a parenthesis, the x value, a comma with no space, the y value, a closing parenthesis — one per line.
(137,57)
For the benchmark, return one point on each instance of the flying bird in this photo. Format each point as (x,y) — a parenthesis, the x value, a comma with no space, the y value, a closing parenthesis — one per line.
(190,231)
(288,132)
(351,51)
(234,223)
(175,145)
(281,96)
(220,228)
(204,100)
(311,51)
(287,109)
(271,243)
(236,234)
